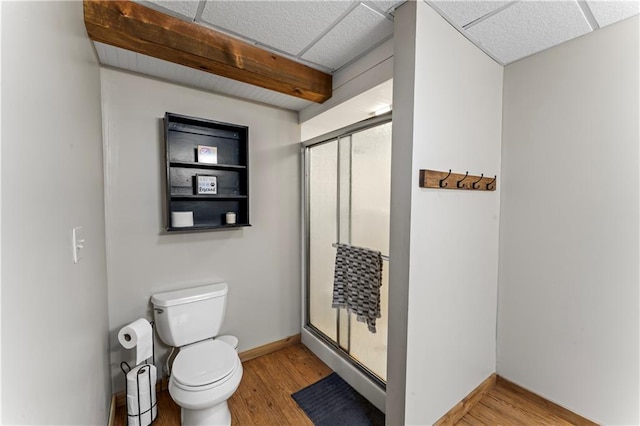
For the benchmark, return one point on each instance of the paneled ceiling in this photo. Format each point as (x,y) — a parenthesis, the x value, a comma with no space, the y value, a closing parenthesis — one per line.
(511,30)
(330,34)
(325,34)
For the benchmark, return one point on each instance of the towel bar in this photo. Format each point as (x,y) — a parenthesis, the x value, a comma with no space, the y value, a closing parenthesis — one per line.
(384,257)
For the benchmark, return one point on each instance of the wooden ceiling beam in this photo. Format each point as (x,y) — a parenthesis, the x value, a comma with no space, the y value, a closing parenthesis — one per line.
(130,26)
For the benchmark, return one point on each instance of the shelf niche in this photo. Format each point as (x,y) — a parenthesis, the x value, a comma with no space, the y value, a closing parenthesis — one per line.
(228,155)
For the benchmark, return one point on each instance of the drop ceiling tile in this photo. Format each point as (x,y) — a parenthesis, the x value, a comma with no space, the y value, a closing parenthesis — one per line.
(182,9)
(609,12)
(528,27)
(288,26)
(463,12)
(359,31)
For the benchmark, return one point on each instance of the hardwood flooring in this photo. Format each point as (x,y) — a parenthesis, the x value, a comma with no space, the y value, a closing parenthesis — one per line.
(264,394)
(509,404)
(264,397)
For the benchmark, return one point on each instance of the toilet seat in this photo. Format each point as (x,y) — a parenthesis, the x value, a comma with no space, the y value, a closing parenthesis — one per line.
(204,365)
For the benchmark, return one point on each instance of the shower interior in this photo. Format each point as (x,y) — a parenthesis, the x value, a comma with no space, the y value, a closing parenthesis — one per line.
(347,193)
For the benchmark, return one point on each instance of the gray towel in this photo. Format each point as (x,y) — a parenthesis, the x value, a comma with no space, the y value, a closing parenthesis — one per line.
(357,282)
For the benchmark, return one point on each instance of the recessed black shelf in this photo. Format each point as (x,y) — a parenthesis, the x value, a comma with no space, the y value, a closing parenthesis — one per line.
(196,165)
(207,197)
(206,227)
(222,172)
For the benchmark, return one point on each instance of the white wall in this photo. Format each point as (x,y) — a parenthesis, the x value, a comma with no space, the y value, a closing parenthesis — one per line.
(0,214)
(261,263)
(54,313)
(456,105)
(452,276)
(569,282)
(400,224)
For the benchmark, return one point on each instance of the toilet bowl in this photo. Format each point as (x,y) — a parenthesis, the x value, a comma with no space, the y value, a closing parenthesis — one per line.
(204,376)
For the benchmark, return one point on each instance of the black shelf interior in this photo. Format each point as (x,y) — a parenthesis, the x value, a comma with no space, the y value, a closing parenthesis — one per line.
(206,227)
(183,135)
(208,197)
(196,165)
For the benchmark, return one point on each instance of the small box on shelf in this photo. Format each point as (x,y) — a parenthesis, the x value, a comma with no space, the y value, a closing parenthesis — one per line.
(207,154)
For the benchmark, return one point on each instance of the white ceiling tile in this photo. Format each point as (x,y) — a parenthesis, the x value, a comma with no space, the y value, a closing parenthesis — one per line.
(466,11)
(609,12)
(359,31)
(181,9)
(288,26)
(528,27)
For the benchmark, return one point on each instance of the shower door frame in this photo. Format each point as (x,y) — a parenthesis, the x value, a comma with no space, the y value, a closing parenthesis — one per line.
(352,371)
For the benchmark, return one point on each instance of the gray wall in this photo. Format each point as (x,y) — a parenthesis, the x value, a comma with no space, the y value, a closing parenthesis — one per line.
(569,234)
(54,312)
(261,263)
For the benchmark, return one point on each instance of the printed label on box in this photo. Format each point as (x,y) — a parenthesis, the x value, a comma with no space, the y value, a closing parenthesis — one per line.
(207,154)
(206,184)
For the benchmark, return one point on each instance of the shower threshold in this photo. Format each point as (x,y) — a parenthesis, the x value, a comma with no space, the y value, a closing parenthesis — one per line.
(353,372)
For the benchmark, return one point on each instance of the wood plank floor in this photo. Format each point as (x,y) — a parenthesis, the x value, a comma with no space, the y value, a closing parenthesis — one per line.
(264,397)
(509,404)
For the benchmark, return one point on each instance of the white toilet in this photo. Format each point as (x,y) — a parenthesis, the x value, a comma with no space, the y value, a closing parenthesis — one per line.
(205,372)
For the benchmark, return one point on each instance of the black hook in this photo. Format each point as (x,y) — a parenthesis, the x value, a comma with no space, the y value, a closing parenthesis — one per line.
(442,181)
(489,184)
(476,182)
(460,181)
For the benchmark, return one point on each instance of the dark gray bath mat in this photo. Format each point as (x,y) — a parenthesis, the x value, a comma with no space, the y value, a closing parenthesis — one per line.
(332,402)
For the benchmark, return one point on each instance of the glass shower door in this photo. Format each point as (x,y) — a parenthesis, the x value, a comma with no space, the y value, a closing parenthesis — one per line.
(323,190)
(348,186)
(369,227)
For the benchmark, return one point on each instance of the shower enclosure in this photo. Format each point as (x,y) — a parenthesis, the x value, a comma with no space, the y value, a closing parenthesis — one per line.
(347,184)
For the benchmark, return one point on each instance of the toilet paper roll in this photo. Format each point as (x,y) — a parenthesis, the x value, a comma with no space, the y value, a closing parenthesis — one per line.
(139,335)
(181,219)
(141,385)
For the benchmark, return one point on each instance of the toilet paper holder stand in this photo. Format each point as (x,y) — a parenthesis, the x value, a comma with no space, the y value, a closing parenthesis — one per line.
(126,368)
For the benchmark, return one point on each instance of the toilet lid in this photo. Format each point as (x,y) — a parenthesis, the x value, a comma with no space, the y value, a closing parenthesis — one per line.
(204,363)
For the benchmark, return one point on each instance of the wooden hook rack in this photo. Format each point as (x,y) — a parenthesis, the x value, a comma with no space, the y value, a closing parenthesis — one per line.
(448,180)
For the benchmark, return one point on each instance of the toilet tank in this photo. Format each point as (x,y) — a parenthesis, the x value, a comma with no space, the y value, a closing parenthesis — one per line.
(189,315)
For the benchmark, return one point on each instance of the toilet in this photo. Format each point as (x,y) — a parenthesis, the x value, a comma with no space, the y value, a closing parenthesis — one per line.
(206,371)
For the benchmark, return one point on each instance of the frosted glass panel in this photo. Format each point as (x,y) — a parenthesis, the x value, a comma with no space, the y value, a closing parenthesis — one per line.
(370,213)
(349,202)
(344,222)
(323,205)
(344,190)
